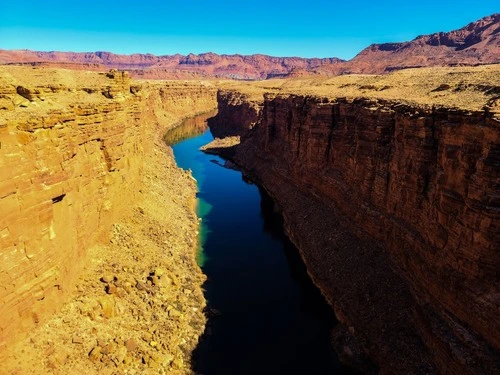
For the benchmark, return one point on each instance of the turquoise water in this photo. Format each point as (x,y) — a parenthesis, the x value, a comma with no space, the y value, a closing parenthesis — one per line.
(273,320)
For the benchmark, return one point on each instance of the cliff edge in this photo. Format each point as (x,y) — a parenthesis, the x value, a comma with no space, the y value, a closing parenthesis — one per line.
(98,225)
(394,206)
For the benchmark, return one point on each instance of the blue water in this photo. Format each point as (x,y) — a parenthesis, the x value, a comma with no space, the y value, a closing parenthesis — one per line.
(273,320)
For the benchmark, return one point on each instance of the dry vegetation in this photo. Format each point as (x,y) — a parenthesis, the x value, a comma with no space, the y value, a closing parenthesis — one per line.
(469,88)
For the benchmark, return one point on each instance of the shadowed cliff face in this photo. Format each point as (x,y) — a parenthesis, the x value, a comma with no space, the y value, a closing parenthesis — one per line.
(418,182)
(240,114)
(71,157)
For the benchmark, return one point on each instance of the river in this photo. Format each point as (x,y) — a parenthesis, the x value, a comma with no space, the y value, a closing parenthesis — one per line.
(272,319)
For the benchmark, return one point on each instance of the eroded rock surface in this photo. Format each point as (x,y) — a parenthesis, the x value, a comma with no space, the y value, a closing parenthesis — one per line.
(240,114)
(395,208)
(82,163)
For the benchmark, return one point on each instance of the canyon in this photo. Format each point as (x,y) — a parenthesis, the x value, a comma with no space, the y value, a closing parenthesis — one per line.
(388,186)
(474,44)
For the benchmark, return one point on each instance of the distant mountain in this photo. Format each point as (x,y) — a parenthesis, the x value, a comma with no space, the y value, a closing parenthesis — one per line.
(172,66)
(476,43)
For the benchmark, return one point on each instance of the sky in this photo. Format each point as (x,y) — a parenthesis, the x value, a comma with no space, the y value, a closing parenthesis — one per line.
(274,27)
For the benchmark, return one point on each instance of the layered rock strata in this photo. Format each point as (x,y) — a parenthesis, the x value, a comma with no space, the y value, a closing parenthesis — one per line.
(395,209)
(240,114)
(474,44)
(74,149)
(148,66)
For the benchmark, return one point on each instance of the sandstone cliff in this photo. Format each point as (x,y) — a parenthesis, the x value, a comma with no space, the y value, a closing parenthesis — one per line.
(474,44)
(395,209)
(74,148)
(240,114)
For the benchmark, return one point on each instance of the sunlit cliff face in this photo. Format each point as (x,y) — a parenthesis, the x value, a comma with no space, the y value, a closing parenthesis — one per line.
(73,152)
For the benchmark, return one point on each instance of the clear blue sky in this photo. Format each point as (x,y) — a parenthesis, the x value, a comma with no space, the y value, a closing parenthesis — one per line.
(275,27)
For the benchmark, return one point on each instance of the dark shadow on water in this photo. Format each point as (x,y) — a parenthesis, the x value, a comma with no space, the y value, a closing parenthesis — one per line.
(311,296)
(252,339)
(272,319)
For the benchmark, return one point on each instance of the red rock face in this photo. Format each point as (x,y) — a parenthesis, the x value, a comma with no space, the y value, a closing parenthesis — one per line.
(476,43)
(240,114)
(175,66)
(422,183)
(65,176)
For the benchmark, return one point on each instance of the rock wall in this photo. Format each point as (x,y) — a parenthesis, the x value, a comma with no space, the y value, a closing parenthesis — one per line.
(419,183)
(240,114)
(70,156)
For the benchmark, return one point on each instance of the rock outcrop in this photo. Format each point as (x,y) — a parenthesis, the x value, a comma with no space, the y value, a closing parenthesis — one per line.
(71,157)
(240,114)
(395,209)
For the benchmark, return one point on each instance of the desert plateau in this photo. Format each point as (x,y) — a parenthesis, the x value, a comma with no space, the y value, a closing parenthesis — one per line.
(249,214)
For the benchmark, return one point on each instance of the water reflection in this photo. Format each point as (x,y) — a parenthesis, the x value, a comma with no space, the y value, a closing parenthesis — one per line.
(190,127)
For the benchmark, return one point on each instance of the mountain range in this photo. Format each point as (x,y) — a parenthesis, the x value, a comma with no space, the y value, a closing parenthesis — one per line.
(475,44)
